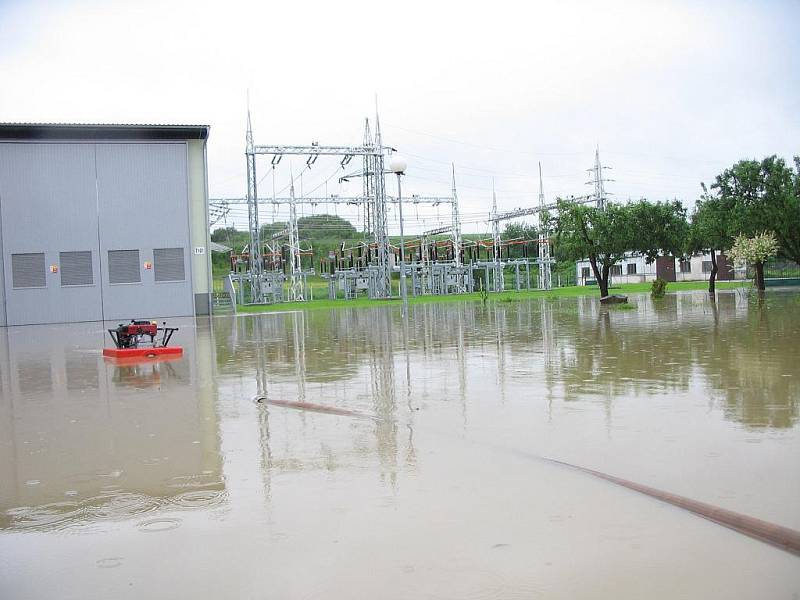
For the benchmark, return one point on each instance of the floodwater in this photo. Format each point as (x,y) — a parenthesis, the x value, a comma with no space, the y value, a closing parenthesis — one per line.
(167,480)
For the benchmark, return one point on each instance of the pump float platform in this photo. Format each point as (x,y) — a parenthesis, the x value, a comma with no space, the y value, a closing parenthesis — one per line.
(131,342)
(173,351)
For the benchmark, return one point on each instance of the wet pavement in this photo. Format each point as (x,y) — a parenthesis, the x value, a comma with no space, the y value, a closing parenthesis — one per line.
(168,480)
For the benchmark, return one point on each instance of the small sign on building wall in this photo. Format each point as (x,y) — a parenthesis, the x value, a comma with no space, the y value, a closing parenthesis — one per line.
(148,265)
(199,249)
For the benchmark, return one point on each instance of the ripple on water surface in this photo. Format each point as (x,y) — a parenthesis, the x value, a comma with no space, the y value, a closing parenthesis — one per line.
(157,525)
(113,505)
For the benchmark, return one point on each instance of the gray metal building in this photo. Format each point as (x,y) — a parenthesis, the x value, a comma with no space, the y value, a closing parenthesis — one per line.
(103,222)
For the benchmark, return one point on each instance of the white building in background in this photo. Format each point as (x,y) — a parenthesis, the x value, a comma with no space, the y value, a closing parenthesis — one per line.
(633,268)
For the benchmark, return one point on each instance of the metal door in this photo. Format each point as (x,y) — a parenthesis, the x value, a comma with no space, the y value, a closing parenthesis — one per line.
(48,212)
(665,268)
(144,230)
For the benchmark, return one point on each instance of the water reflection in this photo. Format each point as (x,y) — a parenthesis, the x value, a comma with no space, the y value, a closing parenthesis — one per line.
(571,349)
(291,359)
(85,440)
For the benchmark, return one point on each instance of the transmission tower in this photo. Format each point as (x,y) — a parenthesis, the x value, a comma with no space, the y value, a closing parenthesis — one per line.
(598,180)
(456,224)
(499,284)
(257,295)
(296,277)
(495,228)
(367,182)
(545,274)
(380,222)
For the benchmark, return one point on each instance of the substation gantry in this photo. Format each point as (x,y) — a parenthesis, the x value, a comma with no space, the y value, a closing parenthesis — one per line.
(372,154)
(266,285)
(374,201)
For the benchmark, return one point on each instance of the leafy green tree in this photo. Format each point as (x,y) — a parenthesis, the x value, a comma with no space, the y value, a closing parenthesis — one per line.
(524,232)
(764,196)
(710,230)
(222,235)
(517,231)
(325,227)
(270,229)
(755,250)
(660,228)
(604,236)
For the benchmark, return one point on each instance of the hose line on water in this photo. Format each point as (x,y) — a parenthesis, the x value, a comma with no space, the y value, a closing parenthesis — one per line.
(781,537)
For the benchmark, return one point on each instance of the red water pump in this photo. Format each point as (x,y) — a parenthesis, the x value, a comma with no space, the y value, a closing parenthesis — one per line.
(136,333)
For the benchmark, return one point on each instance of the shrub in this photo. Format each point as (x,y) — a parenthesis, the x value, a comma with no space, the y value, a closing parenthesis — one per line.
(659,288)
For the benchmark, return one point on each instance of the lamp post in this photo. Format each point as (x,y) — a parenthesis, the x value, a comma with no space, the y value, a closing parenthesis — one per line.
(398,166)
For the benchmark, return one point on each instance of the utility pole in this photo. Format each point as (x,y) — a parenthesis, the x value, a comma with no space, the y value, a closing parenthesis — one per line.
(398,165)
(252,217)
(499,284)
(545,274)
(381,225)
(598,181)
(296,277)
(367,182)
(456,225)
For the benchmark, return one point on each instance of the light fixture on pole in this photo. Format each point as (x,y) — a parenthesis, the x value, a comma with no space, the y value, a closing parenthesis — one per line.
(398,166)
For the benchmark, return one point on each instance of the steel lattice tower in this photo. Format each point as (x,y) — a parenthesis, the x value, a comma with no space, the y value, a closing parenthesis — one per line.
(367,182)
(499,283)
(545,273)
(381,224)
(598,181)
(456,224)
(256,265)
(296,277)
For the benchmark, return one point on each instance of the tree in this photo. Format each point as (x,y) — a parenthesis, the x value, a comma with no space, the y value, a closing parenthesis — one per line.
(516,231)
(223,234)
(270,229)
(755,250)
(604,236)
(660,228)
(325,227)
(710,230)
(523,232)
(764,196)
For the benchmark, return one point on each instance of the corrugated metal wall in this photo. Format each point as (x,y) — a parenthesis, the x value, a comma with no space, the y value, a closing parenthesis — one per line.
(76,202)
(142,192)
(2,266)
(49,206)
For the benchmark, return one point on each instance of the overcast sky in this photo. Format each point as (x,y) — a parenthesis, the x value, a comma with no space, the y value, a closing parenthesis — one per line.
(672,92)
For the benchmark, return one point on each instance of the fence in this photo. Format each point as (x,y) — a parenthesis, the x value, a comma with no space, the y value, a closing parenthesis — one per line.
(777,269)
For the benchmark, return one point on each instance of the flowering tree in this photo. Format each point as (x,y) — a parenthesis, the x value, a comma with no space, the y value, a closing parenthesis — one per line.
(755,250)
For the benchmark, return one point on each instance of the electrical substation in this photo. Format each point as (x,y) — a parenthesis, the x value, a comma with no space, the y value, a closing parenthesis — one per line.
(435,261)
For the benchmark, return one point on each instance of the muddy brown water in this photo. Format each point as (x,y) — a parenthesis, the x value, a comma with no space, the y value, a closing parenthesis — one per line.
(167,479)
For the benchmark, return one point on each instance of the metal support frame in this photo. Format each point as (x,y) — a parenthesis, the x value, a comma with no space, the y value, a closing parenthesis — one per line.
(217,204)
(545,262)
(499,280)
(375,199)
(456,233)
(296,277)
(598,181)
(384,285)
(256,266)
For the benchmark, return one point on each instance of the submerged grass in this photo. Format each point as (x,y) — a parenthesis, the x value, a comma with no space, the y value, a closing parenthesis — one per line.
(508,296)
(626,306)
